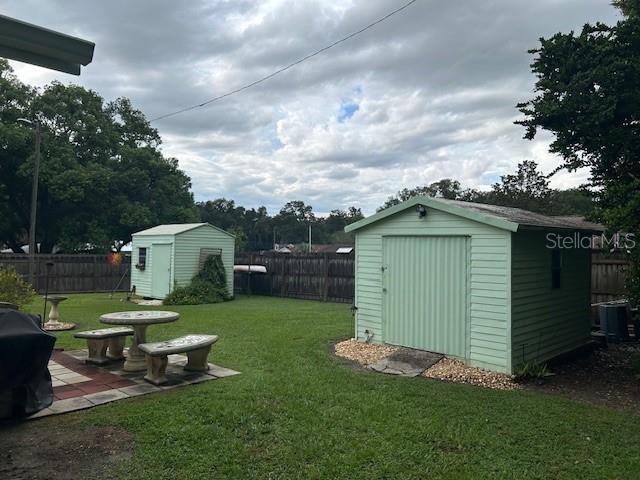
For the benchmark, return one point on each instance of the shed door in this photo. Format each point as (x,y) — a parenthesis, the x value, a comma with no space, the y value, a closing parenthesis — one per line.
(425,293)
(161,270)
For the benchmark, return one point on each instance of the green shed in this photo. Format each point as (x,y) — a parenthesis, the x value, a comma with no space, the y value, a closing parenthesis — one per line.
(169,255)
(493,286)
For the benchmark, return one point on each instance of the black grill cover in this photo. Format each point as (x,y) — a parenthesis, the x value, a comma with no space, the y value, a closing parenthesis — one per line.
(25,350)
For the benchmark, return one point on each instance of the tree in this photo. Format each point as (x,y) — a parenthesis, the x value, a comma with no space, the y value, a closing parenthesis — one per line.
(445,188)
(527,189)
(588,96)
(102,175)
(221,212)
(333,225)
(292,223)
(15,147)
(298,210)
(574,201)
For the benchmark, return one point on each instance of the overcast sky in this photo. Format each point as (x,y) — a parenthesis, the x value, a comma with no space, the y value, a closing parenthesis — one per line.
(428,94)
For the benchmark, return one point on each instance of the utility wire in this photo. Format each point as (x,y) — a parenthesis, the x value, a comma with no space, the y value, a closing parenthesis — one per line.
(291,65)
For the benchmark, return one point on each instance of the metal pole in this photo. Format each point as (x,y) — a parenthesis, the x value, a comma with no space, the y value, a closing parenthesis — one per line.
(34,206)
(46,293)
(309,237)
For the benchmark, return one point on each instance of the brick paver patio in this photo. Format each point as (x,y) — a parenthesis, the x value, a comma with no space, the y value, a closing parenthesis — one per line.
(78,385)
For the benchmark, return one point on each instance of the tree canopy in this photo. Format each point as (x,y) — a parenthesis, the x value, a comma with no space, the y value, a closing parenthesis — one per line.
(528,189)
(587,94)
(102,174)
(256,230)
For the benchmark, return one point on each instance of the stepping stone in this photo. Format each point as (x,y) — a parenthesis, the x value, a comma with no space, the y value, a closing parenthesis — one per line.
(407,362)
(220,372)
(106,396)
(70,405)
(141,389)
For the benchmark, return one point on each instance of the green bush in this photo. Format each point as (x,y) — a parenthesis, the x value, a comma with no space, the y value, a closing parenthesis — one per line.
(531,371)
(13,289)
(209,285)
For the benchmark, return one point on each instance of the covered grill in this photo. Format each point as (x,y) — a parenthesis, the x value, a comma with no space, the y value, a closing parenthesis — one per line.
(25,349)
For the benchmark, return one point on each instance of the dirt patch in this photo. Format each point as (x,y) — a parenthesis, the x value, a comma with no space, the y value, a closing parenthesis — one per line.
(363,353)
(603,377)
(456,371)
(38,450)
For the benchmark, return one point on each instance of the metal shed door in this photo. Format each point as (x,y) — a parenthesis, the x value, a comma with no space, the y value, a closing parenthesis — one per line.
(160,269)
(425,293)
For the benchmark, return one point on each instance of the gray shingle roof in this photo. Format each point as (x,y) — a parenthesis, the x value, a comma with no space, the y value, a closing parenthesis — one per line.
(507,218)
(526,217)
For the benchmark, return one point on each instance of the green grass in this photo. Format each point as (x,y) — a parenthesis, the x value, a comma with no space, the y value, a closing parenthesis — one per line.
(298,412)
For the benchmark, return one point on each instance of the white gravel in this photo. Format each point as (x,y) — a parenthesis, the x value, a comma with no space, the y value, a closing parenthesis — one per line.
(456,371)
(447,369)
(363,353)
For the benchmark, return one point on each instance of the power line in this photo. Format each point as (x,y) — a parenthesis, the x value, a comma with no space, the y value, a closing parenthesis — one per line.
(291,65)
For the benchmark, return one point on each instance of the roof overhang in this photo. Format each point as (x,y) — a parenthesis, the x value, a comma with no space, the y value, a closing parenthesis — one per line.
(434,203)
(40,46)
(157,230)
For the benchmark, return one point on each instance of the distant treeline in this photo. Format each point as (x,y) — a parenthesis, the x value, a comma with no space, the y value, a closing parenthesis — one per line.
(256,230)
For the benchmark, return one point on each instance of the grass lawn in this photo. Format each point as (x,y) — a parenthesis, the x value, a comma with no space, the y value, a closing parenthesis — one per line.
(298,412)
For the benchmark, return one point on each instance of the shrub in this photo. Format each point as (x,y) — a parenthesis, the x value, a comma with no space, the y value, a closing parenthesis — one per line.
(531,371)
(13,289)
(209,285)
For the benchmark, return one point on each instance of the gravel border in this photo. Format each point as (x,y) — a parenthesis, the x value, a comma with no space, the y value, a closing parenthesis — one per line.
(447,369)
(364,353)
(452,370)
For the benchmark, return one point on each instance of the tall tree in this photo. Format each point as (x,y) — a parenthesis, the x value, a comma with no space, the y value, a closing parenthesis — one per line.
(527,188)
(588,96)
(445,188)
(102,174)
(292,223)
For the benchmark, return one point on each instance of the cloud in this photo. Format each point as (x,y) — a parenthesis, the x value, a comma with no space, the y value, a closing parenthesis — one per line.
(428,94)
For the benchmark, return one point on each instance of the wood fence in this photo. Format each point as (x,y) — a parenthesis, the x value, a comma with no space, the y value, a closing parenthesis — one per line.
(73,273)
(607,276)
(330,277)
(327,277)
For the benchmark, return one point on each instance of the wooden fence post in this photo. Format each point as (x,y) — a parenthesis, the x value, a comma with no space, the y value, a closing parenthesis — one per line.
(325,281)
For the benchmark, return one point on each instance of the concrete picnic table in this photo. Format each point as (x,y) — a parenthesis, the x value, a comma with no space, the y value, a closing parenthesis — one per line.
(139,320)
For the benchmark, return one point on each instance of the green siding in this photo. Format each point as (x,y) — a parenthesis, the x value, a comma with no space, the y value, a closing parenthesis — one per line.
(488,295)
(142,278)
(187,253)
(546,321)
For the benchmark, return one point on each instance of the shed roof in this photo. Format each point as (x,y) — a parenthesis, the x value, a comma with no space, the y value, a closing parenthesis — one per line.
(507,218)
(177,228)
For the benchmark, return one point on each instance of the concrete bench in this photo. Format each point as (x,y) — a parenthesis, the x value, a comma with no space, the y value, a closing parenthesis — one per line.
(105,344)
(197,348)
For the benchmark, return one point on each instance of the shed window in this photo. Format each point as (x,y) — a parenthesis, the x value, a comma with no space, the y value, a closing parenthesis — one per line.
(556,267)
(142,257)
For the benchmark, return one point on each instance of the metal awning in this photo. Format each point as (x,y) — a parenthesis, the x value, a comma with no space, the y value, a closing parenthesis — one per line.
(43,47)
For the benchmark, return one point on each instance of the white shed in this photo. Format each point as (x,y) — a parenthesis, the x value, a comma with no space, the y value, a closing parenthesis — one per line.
(169,255)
